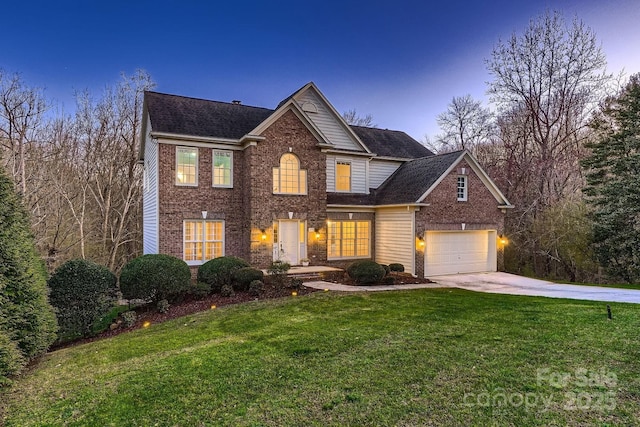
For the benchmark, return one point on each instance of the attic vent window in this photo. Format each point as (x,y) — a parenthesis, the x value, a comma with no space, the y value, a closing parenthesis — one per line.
(309,107)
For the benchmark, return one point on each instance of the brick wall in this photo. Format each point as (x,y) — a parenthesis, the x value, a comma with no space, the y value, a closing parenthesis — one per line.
(179,203)
(287,134)
(479,212)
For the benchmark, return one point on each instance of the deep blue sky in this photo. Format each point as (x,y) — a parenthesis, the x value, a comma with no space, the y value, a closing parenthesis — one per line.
(401,61)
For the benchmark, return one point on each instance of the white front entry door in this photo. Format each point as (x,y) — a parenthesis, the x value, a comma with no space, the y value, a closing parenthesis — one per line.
(289,241)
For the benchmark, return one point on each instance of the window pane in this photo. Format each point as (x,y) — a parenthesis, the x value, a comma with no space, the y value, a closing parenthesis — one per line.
(222,164)
(288,178)
(276,180)
(214,250)
(186,165)
(343,176)
(363,239)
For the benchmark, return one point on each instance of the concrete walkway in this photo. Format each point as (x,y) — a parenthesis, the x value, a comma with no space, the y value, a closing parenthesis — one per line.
(500,283)
(505,283)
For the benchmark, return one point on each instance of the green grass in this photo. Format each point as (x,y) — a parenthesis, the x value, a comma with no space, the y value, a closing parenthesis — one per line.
(424,357)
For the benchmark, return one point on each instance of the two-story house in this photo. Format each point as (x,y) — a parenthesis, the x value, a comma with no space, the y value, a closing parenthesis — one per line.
(299,182)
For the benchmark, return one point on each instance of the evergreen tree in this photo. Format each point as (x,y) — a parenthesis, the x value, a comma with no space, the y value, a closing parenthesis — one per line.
(612,173)
(26,318)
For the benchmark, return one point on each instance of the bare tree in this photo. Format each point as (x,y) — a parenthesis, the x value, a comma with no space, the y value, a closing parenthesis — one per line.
(465,125)
(352,118)
(553,76)
(21,114)
(546,84)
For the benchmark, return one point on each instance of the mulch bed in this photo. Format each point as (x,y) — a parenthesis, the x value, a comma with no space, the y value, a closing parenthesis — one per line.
(192,305)
(188,306)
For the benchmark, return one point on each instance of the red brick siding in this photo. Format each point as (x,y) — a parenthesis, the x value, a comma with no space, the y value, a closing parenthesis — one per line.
(264,207)
(177,203)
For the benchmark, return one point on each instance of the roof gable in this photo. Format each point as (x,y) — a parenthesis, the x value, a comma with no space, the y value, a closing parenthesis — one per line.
(416,179)
(325,117)
(413,178)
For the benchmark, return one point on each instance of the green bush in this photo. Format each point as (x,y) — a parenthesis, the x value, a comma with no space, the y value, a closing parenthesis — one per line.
(154,277)
(256,287)
(366,271)
(82,292)
(227,291)
(387,270)
(388,280)
(218,272)
(26,317)
(296,283)
(199,290)
(11,359)
(129,318)
(396,267)
(163,306)
(278,272)
(242,277)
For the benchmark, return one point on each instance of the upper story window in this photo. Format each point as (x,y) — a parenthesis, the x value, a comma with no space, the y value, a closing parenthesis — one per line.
(222,168)
(343,176)
(462,188)
(289,178)
(186,166)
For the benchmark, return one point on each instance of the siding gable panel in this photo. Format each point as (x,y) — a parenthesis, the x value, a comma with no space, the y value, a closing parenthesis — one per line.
(326,122)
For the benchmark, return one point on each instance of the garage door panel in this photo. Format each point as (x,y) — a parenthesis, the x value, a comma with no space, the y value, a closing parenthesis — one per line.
(459,252)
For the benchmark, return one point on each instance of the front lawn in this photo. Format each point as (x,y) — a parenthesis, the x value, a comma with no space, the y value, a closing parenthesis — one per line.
(423,357)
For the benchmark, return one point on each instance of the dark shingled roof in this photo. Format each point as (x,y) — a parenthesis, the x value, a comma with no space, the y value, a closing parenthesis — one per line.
(199,117)
(351,199)
(391,143)
(413,178)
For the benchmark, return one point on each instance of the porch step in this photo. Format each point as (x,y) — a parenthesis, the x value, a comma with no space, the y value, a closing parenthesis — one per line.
(305,277)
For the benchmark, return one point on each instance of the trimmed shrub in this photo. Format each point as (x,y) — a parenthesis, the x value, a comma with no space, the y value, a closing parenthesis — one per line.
(387,270)
(256,287)
(129,318)
(26,317)
(163,306)
(388,280)
(295,283)
(227,291)
(278,272)
(242,277)
(82,292)
(154,277)
(366,271)
(396,267)
(218,272)
(199,290)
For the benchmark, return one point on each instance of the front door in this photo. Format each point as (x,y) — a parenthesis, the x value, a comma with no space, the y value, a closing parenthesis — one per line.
(289,241)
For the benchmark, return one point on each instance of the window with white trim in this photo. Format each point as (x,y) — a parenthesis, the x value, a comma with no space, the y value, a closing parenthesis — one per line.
(186,166)
(203,240)
(289,178)
(222,168)
(348,239)
(462,188)
(343,176)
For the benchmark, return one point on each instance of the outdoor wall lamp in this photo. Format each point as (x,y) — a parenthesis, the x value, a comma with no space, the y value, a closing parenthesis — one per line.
(503,240)
(264,234)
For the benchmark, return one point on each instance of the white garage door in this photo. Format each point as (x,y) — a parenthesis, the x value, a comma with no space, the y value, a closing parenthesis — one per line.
(453,252)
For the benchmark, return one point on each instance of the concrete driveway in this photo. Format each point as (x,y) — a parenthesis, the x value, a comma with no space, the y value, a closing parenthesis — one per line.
(505,283)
